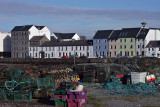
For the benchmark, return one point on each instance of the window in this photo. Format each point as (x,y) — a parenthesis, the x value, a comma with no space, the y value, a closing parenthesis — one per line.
(115,47)
(66,48)
(72,48)
(46,48)
(30,48)
(111,46)
(59,48)
(96,53)
(152,49)
(52,48)
(105,41)
(99,47)
(36,55)
(120,40)
(76,47)
(99,41)
(62,48)
(121,47)
(49,48)
(46,54)
(124,40)
(87,47)
(142,46)
(124,46)
(131,40)
(159,49)
(131,53)
(83,47)
(69,53)
(105,47)
(120,53)
(148,49)
(138,46)
(131,47)
(80,47)
(59,54)
(52,54)
(114,53)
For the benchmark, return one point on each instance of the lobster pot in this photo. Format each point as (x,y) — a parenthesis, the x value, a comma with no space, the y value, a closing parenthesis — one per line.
(137,77)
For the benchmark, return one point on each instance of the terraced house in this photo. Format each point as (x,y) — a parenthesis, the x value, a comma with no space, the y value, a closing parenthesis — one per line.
(113,43)
(127,41)
(52,49)
(101,43)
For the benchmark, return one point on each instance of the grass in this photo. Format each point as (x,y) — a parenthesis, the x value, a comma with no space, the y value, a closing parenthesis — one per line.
(96,102)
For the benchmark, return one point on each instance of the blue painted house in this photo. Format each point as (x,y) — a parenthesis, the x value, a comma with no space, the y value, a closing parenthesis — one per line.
(101,43)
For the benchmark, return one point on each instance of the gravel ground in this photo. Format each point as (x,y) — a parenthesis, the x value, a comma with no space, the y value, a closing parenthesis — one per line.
(97,98)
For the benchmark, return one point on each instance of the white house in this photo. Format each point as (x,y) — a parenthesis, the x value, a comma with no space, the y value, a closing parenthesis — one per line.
(5,44)
(66,36)
(20,36)
(50,49)
(144,36)
(153,49)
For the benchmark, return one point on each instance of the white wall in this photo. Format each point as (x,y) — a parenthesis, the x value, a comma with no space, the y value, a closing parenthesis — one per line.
(153,34)
(153,50)
(5,42)
(45,31)
(61,49)
(76,37)
(139,42)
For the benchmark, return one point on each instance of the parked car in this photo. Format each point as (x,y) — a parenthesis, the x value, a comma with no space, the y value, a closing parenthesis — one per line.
(72,56)
(137,57)
(64,57)
(124,56)
(83,57)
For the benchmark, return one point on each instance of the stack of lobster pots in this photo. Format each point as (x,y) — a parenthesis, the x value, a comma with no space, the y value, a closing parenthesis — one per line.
(70,94)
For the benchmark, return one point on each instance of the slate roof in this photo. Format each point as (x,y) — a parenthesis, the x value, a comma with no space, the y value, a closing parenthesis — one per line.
(64,35)
(102,34)
(53,38)
(22,28)
(26,28)
(115,34)
(39,27)
(153,44)
(143,33)
(68,43)
(36,38)
(129,32)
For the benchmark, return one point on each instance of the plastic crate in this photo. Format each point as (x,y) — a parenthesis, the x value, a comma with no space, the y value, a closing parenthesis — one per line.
(60,92)
(88,79)
(76,102)
(60,102)
(76,84)
(61,96)
(11,72)
(9,94)
(22,96)
(2,95)
(45,83)
(77,94)
(2,84)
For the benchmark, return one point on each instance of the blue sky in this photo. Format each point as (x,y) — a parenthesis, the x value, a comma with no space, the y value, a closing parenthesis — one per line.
(84,17)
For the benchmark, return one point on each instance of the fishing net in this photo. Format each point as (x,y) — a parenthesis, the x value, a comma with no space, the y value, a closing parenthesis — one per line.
(114,87)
